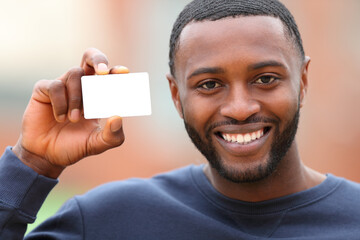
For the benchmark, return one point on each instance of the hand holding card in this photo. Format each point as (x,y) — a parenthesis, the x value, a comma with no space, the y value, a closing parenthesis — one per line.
(121,95)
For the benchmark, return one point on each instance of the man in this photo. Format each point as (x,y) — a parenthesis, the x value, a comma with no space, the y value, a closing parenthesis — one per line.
(238,78)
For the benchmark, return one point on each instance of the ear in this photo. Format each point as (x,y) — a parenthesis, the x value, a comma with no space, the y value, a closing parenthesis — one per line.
(304,80)
(174,89)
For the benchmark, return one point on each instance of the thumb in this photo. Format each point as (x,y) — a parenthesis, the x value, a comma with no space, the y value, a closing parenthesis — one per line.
(112,135)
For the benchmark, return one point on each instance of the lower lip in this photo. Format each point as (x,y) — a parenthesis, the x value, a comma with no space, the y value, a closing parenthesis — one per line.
(238,149)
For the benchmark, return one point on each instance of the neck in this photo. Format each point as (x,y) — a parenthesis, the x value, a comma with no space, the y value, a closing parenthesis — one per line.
(291,176)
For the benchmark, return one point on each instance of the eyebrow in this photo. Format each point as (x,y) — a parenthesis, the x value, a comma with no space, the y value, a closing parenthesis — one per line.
(218,70)
(213,70)
(270,63)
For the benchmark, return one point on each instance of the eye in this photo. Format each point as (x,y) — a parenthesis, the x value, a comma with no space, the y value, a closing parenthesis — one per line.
(210,85)
(266,79)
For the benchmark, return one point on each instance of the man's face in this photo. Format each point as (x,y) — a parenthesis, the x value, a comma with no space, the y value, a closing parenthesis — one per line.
(239,85)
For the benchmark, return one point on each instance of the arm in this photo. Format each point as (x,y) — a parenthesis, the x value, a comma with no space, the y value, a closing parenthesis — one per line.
(22,192)
(54,135)
(67,224)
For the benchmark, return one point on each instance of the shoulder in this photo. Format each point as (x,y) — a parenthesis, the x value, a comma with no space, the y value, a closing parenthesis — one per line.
(135,191)
(346,188)
(342,198)
(341,202)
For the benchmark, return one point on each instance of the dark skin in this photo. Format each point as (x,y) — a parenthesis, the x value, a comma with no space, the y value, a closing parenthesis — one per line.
(236,68)
(221,70)
(54,132)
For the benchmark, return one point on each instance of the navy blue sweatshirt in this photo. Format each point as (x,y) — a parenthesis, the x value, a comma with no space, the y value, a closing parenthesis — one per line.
(181,204)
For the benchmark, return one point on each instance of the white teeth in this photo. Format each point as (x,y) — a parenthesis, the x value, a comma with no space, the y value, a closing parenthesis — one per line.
(227,137)
(243,138)
(253,136)
(247,138)
(240,138)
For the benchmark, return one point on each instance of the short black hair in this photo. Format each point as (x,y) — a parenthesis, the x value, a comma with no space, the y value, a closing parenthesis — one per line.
(212,10)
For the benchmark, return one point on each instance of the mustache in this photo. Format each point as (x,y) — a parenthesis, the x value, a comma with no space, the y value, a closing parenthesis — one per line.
(251,119)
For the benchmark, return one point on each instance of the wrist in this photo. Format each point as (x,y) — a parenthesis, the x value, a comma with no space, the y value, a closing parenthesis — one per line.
(37,163)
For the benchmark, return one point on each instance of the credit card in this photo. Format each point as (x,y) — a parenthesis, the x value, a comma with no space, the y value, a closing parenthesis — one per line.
(123,95)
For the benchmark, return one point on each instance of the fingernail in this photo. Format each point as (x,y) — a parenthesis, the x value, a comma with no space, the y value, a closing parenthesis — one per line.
(75,115)
(122,69)
(116,125)
(61,118)
(102,68)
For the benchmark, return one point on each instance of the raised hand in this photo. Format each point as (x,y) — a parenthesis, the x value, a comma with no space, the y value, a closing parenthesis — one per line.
(54,132)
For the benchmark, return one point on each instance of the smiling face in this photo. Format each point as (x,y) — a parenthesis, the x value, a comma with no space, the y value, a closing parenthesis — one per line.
(239,84)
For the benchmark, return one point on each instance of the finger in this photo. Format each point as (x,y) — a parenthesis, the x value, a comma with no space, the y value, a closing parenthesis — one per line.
(112,135)
(94,61)
(57,93)
(52,92)
(119,69)
(41,91)
(72,82)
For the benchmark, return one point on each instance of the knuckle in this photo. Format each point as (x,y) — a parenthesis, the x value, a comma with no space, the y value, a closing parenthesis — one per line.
(88,51)
(76,72)
(55,86)
(99,58)
(39,84)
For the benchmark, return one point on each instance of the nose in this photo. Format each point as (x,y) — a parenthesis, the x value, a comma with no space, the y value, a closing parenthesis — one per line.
(239,104)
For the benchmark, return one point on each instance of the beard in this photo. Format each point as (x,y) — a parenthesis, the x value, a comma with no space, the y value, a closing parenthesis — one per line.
(281,143)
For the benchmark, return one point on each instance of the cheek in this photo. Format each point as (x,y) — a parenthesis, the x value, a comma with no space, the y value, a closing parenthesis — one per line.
(198,111)
(285,105)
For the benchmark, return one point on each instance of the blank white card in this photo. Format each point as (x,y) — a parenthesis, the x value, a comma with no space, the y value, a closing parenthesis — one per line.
(121,95)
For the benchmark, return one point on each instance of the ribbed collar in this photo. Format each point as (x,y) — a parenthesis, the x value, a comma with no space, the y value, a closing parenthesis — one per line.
(292,201)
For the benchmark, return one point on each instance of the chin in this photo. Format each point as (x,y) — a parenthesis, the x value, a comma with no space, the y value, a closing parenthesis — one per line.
(244,172)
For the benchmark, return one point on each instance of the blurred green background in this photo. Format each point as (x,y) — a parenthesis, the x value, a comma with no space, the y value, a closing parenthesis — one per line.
(42,39)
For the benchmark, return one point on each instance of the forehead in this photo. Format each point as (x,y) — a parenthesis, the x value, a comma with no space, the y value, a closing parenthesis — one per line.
(240,39)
